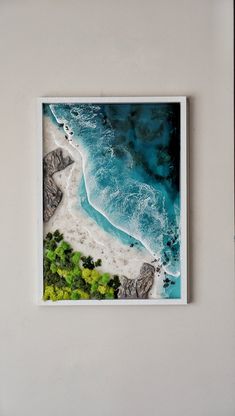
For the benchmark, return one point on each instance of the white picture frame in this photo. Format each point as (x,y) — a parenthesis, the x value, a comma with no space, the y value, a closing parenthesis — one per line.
(183,196)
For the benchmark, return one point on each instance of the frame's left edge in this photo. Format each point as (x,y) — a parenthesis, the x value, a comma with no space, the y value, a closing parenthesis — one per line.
(39,148)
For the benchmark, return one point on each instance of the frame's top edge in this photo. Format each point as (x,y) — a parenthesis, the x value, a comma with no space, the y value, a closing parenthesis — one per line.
(109,99)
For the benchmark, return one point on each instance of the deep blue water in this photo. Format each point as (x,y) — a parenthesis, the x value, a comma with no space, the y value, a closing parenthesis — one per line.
(131,161)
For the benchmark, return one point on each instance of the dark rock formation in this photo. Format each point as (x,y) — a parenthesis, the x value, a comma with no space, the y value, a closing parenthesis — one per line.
(53,162)
(137,288)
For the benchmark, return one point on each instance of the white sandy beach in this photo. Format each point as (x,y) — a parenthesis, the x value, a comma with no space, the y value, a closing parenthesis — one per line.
(79,229)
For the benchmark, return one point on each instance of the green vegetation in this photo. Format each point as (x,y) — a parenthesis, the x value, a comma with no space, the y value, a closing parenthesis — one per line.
(70,276)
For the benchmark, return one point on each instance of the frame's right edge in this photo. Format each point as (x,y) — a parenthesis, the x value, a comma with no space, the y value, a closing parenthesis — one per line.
(184,199)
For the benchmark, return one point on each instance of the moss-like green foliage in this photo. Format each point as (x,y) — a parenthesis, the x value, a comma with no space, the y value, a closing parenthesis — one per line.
(65,278)
(55,293)
(89,263)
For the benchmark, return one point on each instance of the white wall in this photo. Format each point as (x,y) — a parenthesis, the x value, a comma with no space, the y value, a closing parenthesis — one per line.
(111,361)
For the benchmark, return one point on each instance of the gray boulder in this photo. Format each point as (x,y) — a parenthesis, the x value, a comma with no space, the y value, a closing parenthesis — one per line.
(53,162)
(137,288)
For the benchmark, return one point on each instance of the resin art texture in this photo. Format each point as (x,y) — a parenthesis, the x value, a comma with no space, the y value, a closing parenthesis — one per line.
(112,201)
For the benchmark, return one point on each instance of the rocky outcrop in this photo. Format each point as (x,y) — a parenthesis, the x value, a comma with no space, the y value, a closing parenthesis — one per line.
(53,162)
(137,288)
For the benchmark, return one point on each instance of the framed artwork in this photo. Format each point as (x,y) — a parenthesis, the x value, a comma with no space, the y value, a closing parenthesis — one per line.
(113,201)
